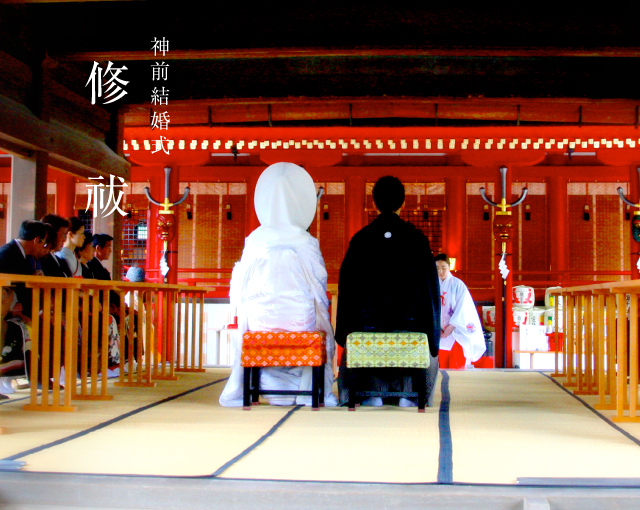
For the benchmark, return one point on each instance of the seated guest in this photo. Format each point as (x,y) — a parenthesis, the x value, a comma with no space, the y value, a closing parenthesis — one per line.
(134,274)
(19,257)
(103,244)
(15,343)
(52,265)
(85,252)
(74,238)
(388,283)
(280,282)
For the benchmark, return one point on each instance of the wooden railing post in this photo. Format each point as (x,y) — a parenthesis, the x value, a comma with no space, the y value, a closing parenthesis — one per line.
(633,355)
(603,353)
(579,341)
(569,334)
(35,349)
(585,343)
(621,380)
(162,362)
(135,358)
(179,331)
(612,349)
(190,338)
(3,330)
(94,342)
(50,350)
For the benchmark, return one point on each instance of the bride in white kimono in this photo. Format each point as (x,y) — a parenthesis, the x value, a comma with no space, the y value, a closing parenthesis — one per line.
(280,283)
(461,340)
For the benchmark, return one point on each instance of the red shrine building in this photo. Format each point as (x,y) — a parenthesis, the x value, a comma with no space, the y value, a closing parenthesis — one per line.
(448,102)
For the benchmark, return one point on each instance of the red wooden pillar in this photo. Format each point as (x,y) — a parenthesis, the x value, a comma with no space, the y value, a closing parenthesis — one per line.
(634,196)
(251,218)
(503,289)
(65,195)
(155,243)
(175,194)
(456,233)
(557,225)
(154,246)
(354,206)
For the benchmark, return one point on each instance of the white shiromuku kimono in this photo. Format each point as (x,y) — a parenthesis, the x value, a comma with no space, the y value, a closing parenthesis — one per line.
(280,283)
(459,310)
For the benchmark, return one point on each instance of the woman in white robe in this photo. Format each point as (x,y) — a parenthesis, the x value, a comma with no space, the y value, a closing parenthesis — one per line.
(461,339)
(280,283)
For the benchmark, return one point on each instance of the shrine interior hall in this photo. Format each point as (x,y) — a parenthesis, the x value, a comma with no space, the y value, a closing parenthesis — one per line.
(449,99)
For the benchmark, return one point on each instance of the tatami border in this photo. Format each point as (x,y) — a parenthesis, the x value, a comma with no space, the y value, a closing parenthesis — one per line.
(594,411)
(109,422)
(248,450)
(445,457)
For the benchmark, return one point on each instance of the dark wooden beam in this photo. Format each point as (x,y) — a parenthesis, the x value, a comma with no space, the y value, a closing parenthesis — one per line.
(62,1)
(68,149)
(42,166)
(268,53)
(250,111)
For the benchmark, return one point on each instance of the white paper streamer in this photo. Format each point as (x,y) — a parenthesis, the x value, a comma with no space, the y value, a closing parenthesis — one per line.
(502,266)
(164,267)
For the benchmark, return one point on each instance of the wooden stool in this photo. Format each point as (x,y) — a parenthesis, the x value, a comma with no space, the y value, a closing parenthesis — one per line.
(283,349)
(388,350)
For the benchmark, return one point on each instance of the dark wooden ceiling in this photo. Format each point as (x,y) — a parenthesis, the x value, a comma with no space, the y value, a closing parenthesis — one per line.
(340,49)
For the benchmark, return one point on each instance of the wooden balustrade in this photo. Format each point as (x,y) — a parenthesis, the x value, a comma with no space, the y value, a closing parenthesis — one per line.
(54,338)
(136,334)
(70,329)
(601,355)
(4,282)
(189,303)
(91,356)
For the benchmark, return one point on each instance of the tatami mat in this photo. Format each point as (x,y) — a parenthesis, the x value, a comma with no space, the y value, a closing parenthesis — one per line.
(388,444)
(508,425)
(485,427)
(27,430)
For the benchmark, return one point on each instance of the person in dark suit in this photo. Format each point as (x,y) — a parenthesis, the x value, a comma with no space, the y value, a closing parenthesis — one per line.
(52,265)
(20,256)
(103,243)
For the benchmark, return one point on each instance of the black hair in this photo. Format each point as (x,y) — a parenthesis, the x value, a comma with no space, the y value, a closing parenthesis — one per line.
(51,235)
(88,239)
(101,240)
(388,194)
(30,229)
(76,224)
(57,222)
(444,257)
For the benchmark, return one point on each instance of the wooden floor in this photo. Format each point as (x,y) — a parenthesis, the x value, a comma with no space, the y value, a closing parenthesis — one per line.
(516,430)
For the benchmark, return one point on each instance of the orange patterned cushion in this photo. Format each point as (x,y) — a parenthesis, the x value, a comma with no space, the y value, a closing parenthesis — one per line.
(283,349)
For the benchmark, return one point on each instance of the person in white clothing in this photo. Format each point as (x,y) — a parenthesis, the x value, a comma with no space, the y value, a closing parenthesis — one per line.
(280,283)
(461,340)
(74,238)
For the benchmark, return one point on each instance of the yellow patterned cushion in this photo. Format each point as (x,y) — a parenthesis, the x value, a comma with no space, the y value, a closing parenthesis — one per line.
(283,349)
(405,350)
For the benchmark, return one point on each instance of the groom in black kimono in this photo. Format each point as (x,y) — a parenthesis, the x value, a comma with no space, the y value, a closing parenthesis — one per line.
(388,282)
